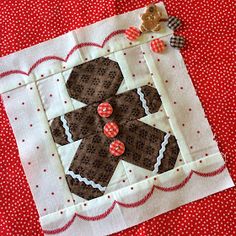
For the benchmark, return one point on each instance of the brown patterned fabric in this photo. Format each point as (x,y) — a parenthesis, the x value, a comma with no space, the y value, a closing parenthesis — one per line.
(142,144)
(83,190)
(86,121)
(58,132)
(170,155)
(95,80)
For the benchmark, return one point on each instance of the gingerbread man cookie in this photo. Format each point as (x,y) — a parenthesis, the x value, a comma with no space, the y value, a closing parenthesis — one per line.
(151,19)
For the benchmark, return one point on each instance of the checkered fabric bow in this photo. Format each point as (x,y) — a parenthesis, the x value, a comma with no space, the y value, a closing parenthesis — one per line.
(109,128)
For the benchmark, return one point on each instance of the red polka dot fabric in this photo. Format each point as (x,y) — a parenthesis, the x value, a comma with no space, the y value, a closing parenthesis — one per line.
(209,55)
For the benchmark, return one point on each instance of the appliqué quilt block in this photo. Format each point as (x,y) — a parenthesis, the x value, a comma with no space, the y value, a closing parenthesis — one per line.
(108,125)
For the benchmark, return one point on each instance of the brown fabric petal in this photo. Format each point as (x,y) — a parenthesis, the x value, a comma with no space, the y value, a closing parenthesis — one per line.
(83,190)
(95,80)
(170,155)
(152,97)
(58,132)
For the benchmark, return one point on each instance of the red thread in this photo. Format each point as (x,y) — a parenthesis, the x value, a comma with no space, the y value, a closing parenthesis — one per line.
(135,204)
(48,58)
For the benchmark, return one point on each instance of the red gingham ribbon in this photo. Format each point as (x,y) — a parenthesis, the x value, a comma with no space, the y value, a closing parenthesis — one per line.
(132,33)
(105,109)
(157,45)
(117,148)
(111,129)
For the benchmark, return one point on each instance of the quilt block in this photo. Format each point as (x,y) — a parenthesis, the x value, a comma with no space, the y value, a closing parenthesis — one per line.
(109,129)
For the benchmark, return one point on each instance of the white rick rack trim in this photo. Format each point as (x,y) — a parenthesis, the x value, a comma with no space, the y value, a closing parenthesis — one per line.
(86,181)
(161,153)
(143,100)
(67,129)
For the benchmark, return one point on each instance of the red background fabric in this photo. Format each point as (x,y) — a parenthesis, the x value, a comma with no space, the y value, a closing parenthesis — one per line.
(209,56)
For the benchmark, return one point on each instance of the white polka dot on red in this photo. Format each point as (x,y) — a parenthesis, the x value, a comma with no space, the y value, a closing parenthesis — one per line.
(209,59)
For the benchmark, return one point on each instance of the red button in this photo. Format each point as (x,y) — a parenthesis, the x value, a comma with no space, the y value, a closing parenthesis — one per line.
(117,148)
(111,129)
(105,109)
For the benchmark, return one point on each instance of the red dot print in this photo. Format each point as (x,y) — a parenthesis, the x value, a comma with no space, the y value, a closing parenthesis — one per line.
(203,217)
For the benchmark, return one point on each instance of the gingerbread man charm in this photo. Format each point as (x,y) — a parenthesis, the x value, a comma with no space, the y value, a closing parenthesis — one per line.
(151,19)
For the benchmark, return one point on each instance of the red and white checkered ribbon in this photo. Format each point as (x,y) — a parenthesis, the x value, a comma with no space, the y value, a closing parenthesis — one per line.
(111,129)
(117,148)
(105,109)
(157,45)
(132,33)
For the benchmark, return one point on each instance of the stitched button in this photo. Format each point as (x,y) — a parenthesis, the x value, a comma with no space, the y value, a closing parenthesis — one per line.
(177,41)
(111,129)
(157,45)
(174,23)
(132,33)
(117,148)
(105,109)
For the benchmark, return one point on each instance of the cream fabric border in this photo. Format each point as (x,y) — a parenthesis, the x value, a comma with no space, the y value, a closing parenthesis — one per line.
(61,46)
(159,202)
